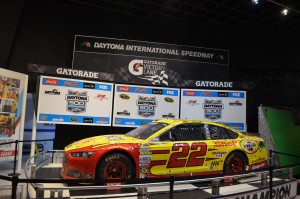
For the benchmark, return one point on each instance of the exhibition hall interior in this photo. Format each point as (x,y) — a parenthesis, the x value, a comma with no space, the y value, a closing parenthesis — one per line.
(149,99)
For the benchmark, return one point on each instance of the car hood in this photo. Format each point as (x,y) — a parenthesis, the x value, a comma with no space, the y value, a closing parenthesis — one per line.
(102,140)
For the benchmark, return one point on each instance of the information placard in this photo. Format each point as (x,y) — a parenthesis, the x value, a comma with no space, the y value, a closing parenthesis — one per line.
(69,101)
(136,105)
(222,106)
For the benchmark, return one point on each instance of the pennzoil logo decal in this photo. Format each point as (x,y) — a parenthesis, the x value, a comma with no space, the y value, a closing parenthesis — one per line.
(250,146)
(213,109)
(76,101)
(146,106)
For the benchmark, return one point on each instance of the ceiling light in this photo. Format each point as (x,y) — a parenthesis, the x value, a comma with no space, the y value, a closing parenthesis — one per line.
(284,12)
(255,1)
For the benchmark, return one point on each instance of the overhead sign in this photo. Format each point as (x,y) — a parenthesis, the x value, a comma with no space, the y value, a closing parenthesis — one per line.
(227,107)
(136,105)
(13,91)
(142,62)
(60,71)
(69,101)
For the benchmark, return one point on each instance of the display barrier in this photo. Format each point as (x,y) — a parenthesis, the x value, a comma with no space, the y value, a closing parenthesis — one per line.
(142,185)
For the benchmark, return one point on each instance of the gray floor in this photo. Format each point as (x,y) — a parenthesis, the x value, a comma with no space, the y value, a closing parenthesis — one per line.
(52,171)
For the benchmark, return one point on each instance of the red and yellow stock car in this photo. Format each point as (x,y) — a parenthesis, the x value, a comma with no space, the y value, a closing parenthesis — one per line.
(163,148)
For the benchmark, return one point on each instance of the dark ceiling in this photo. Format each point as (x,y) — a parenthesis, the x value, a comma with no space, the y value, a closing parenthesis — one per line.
(228,12)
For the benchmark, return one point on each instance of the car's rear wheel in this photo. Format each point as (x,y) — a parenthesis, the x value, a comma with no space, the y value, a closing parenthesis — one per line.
(115,166)
(235,163)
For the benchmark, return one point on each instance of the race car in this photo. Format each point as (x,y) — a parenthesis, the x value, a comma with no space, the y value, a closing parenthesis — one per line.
(163,148)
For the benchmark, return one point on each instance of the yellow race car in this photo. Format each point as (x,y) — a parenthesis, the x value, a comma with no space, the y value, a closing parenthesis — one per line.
(163,148)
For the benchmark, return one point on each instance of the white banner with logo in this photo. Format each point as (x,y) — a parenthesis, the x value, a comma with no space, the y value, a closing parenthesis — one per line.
(136,105)
(13,91)
(69,101)
(227,107)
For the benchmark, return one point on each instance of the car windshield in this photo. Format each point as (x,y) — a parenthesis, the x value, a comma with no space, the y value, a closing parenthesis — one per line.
(145,131)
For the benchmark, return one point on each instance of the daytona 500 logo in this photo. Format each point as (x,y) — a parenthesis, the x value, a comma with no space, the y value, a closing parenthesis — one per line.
(76,101)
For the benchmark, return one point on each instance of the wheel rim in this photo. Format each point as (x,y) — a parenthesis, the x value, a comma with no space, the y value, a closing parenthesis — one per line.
(115,169)
(235,165)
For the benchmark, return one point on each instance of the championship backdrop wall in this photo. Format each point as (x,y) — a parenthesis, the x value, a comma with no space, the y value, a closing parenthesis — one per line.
(227,107)
(136,105)
(69,101)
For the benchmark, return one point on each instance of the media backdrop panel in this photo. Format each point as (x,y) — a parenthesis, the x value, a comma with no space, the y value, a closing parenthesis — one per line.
(69,101)
(228,107)
(136,105)
(142,62)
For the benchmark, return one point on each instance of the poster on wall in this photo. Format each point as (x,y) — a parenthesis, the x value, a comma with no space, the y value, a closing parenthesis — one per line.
(222,106)
(136,105)
(150,63)
(70,101)
(13,91)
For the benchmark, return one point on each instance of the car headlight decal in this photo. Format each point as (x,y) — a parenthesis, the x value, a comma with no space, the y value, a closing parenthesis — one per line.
(81,154)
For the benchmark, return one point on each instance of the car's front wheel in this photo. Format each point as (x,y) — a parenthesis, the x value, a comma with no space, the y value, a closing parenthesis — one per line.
(115,166)
(235,163)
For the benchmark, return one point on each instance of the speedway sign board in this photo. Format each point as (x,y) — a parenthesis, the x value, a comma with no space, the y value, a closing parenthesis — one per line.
(150,63)
(136,105)
(223,106)
(69,101)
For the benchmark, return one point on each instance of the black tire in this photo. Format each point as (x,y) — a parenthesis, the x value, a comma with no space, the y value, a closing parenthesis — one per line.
(115,166)
(235,162)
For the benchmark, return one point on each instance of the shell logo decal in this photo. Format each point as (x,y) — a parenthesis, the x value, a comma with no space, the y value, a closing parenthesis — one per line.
(249,146)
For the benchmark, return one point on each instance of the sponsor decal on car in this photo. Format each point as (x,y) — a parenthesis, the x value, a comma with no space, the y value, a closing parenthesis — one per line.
(213,109)
(113,138)
(258,165)
(250,146)
(146,106)
(219,153)
(225,143)
(76,101)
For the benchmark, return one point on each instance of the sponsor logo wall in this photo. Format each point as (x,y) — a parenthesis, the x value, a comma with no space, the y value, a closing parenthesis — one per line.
(68,101)
(136,105)
(228,107)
